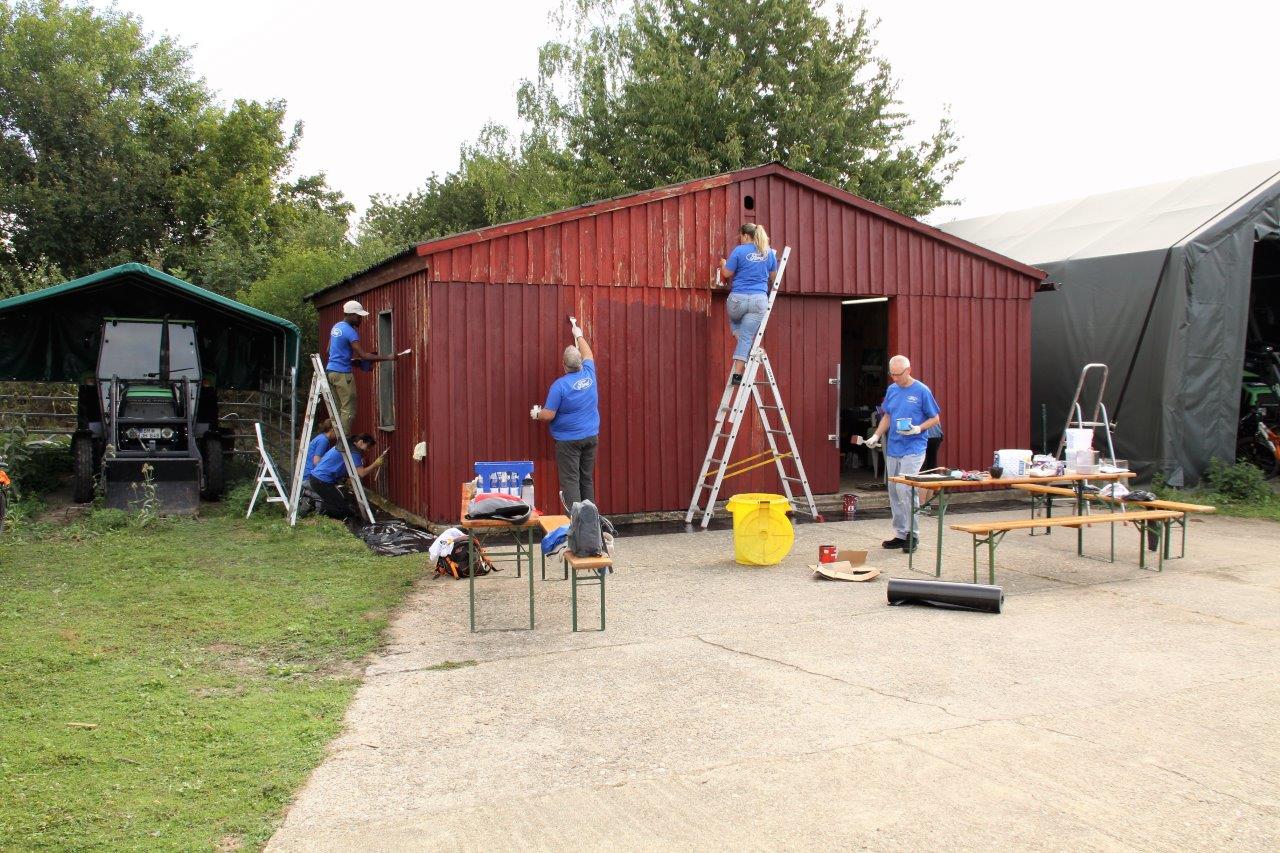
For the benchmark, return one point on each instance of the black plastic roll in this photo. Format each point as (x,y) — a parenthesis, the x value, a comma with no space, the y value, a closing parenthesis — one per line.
(957,596)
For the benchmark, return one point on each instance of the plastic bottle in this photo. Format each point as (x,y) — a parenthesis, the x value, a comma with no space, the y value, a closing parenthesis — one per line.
(526,490)
(515,485)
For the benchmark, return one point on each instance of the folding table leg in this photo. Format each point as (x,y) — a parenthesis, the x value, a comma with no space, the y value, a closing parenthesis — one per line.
(573,597)
(942,517)
(529,552)
(1162,528)
(471,578)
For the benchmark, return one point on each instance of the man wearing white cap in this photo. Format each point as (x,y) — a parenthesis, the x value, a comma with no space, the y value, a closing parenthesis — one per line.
(344,347)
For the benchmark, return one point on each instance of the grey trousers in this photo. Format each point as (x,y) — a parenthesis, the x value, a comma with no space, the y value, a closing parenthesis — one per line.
(900,496)
(576,464)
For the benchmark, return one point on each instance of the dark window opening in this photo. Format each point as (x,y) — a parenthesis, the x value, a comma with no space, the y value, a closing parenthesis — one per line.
(749,202)
(386,373)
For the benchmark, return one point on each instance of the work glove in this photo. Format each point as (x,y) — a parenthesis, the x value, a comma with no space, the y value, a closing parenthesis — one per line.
(534,412)
(873,442)
(915,430)
(575,328)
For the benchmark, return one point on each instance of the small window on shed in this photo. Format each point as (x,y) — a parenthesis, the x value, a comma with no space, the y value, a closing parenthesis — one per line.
(386,373)
(749,202)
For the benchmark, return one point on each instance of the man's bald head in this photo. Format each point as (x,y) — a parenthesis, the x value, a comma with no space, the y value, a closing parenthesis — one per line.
(900,370)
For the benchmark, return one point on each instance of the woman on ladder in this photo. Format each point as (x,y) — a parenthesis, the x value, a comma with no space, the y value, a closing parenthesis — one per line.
(750,268)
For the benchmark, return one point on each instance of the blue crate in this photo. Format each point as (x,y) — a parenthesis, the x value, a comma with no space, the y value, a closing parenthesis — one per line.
(486,471)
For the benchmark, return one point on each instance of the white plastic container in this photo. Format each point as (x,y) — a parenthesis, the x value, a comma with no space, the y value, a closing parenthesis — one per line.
(1078,439)
(1014,462)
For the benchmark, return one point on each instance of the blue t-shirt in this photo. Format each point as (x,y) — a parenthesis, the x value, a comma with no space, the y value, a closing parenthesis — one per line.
(318,446)
(916,403)
(331,469)
(575,399)
(341,338)
(750,268)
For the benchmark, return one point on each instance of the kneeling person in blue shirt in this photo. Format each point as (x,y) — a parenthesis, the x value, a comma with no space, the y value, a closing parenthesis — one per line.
(908,403)
(331,470)
(319,446)
(573,410)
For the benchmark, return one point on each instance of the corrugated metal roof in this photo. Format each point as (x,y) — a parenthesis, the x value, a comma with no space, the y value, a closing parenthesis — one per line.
(673,191)
(1133,220)
(292,334)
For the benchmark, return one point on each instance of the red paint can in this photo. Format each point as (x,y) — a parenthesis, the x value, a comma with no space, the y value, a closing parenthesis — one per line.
(850,505)
(826,553)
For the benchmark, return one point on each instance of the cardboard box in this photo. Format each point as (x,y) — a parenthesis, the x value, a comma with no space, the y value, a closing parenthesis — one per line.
(848,566)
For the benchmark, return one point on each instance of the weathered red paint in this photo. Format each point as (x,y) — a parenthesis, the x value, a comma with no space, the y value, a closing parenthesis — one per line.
(486,315)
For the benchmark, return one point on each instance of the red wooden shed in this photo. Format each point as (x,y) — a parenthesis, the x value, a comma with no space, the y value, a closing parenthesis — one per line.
(485,313)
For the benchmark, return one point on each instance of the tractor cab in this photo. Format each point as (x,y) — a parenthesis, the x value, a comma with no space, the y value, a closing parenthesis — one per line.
(147,436)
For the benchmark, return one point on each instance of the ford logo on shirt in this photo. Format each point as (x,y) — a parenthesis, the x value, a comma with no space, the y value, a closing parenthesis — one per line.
(335,332)
(912,398)
(582,384)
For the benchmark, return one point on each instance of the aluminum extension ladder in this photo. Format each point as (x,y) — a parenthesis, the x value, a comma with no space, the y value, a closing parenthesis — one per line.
(733,405)
(1075,413)
(320,390)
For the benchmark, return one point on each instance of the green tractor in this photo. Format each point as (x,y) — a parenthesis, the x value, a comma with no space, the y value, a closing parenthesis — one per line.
(148,421)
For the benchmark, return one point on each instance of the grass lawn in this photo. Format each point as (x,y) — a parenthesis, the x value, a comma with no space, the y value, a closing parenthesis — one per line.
(171,687)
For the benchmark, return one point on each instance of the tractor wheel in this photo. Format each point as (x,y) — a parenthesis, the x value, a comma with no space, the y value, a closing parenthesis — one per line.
(215,480)
(82,468)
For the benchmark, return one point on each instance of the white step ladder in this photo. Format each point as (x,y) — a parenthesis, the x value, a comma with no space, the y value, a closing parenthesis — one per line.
(733,405)
(269,483)
(1099,418)
(320,390)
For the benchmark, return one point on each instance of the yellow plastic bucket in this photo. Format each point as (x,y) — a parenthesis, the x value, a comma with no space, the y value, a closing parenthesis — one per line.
(762,533)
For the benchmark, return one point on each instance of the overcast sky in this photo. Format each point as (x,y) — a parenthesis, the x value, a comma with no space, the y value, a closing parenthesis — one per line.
(1052,100)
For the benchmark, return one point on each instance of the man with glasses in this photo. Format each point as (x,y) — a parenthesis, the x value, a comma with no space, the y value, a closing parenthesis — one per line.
(909,412)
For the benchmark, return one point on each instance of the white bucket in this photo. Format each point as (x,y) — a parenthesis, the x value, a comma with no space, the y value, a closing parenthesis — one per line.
(1079,439)
(1014,462)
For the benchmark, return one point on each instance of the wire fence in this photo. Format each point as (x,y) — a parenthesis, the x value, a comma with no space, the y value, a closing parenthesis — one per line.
(49,410)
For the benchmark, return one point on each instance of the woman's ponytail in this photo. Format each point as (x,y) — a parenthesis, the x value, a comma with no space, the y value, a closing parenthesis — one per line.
(758,236)
(761,239)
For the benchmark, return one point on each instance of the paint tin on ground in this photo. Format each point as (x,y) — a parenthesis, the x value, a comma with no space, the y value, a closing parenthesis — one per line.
(850,505)
(826,553)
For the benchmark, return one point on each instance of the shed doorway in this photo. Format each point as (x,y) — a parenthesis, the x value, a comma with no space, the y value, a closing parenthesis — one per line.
(864,372)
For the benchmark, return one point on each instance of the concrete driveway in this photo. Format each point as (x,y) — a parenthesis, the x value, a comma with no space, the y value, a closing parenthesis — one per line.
(729,707)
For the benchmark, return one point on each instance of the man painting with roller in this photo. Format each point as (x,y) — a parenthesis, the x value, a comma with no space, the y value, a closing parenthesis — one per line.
(573,413)
(909,412)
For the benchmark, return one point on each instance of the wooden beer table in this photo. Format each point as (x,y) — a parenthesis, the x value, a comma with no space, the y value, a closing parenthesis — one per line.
(941,487)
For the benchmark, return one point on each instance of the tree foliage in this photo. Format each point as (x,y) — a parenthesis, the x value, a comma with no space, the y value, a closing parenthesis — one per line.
(499,180)
(652,92)
(111,150)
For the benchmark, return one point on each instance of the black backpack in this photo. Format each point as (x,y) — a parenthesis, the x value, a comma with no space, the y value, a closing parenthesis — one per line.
(586,532)
(454,564)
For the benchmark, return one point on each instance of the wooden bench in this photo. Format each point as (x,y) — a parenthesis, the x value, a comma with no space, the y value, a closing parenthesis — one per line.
(595,569)
(991,532)
(1044,495)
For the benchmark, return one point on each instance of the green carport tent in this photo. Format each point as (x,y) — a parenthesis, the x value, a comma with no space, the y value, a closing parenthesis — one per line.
(52,335)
